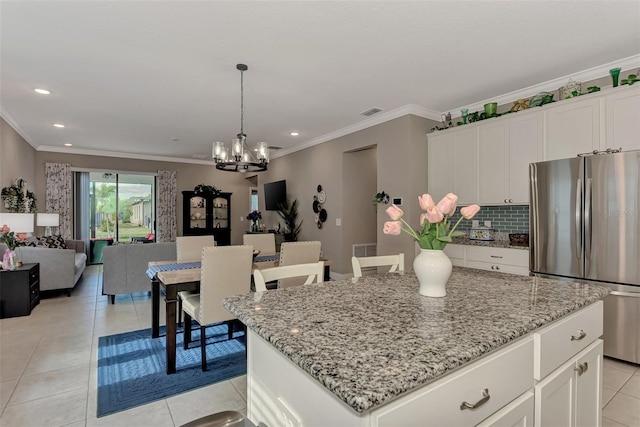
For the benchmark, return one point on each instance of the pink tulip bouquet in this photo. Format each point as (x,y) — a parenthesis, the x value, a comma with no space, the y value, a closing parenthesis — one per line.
(435,221)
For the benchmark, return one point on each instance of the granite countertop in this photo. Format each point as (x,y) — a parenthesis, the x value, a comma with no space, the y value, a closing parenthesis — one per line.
(372,339)
(501,241)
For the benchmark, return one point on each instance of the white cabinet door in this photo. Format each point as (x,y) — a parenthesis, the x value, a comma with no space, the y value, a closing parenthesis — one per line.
(572,394)
(573,127)
(493,162)
(525,146)
(589,386)
(518,413)
(452,165)
(554,397)
(623,119)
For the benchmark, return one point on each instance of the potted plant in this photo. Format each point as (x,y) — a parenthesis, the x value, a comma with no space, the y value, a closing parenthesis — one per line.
(289,213)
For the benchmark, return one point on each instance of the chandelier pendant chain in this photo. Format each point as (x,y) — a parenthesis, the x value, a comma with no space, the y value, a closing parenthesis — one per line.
(241,105)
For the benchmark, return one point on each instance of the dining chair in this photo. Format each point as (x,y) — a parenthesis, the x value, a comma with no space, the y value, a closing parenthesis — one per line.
(263,242)
(225,271)
(189,248)
(292,253)
(396,263)
(313,271)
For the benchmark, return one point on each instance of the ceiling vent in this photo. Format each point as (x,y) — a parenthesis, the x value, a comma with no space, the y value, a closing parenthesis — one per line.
(370,112)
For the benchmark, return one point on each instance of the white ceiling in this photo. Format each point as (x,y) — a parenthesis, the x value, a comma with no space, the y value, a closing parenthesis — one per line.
(130,76)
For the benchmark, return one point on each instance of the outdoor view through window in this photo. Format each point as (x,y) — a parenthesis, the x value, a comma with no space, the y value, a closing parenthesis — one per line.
(121,206)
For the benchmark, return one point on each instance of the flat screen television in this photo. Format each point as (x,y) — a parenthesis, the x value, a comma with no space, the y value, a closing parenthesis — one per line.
(275,193)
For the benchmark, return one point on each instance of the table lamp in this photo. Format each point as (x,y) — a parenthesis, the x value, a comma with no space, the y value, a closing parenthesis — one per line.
(18,223)
(48,220)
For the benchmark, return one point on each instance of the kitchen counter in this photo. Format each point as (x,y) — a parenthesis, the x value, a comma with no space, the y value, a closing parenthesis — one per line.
(372,339)
(501,241)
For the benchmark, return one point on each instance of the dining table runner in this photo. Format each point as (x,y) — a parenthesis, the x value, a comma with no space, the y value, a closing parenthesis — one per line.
(153,270)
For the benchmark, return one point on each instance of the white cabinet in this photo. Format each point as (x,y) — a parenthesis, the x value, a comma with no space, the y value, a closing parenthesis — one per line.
(504,260)
(467,396)
(518,413)
(571,395)
(453,165)
(623,119)
(505,149)
(572,127)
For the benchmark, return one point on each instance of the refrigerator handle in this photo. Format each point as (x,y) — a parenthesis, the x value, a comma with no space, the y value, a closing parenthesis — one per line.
(578,221)
(587,219)
(533,212)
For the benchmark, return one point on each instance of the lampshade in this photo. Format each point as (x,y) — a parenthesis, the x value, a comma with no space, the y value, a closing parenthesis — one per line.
(47,219)
(18,222)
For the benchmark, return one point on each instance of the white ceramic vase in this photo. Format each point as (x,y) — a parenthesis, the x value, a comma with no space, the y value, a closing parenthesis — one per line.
(433,268)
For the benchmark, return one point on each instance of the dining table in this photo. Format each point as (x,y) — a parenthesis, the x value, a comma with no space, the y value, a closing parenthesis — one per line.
(175,277)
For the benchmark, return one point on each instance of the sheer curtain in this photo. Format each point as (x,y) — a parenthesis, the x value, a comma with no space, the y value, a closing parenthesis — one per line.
(167,228)
(59,195)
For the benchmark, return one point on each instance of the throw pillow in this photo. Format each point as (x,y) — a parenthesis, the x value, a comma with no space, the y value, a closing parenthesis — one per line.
(55,242)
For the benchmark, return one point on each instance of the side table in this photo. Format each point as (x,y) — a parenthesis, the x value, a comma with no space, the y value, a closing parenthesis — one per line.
(19,290)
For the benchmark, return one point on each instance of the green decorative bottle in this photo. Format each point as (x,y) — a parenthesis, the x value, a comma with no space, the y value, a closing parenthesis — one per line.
(615,73)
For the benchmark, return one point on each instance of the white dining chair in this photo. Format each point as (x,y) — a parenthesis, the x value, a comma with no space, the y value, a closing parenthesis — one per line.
(189,248)
(396,263)
(263,242)
(225,271)
(292,253)
(313,272)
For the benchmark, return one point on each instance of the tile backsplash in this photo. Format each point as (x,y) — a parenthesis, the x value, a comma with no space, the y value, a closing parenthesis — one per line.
(506,219)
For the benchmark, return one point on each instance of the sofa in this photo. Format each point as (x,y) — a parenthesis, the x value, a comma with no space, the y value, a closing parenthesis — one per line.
(60,269)
(124,266)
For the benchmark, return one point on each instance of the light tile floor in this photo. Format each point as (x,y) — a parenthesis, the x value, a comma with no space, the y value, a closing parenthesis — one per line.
(48,368)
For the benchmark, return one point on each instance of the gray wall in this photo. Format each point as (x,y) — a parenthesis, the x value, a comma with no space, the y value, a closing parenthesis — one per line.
(17,160)
(401,147)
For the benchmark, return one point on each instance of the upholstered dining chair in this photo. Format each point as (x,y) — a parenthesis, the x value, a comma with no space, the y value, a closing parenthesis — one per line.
(292,253)
(189,248)
(225,271)
(263,242)
(396,263)
(313,271)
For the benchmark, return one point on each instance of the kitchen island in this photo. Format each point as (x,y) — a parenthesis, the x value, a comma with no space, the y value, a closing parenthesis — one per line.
(372,351)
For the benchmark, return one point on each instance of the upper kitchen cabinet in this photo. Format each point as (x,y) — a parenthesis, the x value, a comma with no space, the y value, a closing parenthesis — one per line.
(453,164)
(623,119)
(505,149)
(572,127)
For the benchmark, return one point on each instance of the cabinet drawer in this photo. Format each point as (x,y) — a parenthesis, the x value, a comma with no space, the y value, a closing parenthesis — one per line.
(439,403)
(517,413)
(502,268)
(558,342)
(33,275)
(455,252)
(518,257)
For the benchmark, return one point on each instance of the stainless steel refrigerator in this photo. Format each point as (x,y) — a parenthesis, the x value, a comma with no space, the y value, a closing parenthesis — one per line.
(585,225)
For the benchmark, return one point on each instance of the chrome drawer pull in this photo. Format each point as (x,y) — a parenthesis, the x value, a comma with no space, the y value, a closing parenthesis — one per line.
(579,337)
(582,368)
(495,256)
(485,398)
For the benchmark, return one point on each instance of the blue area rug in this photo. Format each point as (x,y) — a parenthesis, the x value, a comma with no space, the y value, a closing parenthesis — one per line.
(132,366)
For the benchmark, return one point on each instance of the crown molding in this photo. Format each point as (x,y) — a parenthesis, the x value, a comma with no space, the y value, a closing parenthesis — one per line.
(405,110)
(593,73)
(118,154)
(7,118)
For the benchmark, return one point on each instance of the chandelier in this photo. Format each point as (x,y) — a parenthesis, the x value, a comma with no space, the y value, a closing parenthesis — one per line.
(241,159)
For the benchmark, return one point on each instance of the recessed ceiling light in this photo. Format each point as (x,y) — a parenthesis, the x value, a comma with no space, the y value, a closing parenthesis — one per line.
(58,125)
(68,144)
(42,91)
(294,134)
